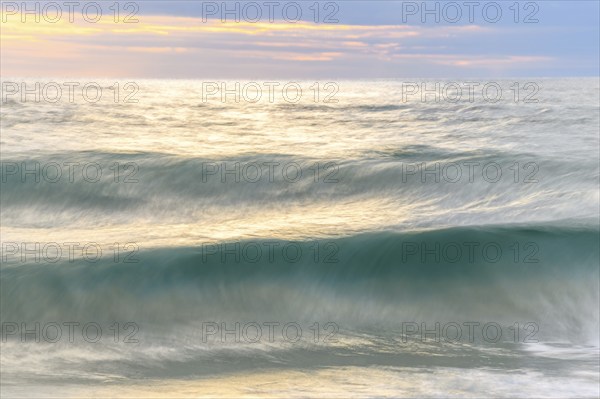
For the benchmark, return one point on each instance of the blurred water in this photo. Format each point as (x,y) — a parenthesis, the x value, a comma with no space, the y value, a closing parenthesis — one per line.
(359,183)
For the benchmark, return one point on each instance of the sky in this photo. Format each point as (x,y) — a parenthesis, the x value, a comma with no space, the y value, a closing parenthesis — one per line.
(302,39)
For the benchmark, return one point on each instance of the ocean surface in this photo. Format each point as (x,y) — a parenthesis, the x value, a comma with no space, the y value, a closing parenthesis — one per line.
(376,245)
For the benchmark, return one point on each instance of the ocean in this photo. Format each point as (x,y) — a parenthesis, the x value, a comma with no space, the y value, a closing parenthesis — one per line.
(170,238)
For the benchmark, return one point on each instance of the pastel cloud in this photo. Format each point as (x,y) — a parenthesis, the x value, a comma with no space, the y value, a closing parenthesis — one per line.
(175,46)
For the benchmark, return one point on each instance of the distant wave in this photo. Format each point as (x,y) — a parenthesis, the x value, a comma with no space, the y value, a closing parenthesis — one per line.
(146,180)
